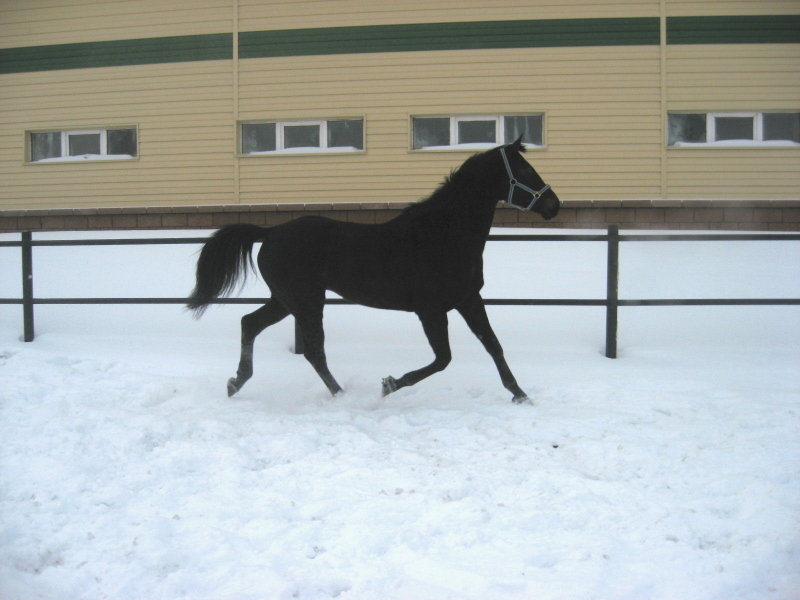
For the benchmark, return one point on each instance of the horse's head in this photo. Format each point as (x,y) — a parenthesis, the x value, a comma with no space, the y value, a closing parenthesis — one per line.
(526,189)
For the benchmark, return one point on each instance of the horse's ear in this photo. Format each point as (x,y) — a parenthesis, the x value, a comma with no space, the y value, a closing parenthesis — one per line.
(517,145)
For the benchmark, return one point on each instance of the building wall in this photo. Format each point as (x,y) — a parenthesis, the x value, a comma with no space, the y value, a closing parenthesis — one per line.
(732,77)
(186,72)
(288,14)
(183,110)
(735,78)
(45,22)
(584,160)
(183,114)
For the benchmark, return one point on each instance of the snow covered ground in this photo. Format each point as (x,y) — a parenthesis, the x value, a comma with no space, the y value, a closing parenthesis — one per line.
(670,473)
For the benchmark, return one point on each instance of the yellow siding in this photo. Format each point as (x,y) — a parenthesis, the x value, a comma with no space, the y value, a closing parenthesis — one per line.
(603,142)
(733,78)
(42,22)
(695,8)
(733,173)
(255,15)
(727,77)
(604,107)
(184,115)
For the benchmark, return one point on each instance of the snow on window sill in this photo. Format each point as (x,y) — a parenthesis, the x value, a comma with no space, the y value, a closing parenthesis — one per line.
(476,146)
(83,158)
(737,144)
(307,150)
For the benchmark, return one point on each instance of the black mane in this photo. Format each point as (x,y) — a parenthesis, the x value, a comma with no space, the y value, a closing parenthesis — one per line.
(455,188)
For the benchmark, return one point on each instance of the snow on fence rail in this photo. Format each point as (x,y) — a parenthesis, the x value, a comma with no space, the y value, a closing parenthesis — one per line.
(611,302)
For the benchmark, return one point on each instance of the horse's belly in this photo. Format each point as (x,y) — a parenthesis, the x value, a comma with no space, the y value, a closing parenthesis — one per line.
(374,295)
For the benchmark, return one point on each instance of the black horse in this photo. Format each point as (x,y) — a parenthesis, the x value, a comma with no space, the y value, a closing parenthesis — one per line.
(427,260)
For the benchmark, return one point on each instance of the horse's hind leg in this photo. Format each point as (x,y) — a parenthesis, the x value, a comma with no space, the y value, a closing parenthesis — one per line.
(253,324)
(435,326)
(474,314)
(314,346)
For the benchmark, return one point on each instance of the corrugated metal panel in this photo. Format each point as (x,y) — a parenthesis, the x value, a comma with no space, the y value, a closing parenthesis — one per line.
(450,36)
(576,88)
(293,14)
(734,174)
(117,53)
(693,8)
(45,22)
(738,29)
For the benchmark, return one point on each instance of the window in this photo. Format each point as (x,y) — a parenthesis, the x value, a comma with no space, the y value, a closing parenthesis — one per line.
(733,129)
(476,131)
(737,127)
(430,132)
(301,137)
(83,144)
(468,132)
(781,127)
(258,137)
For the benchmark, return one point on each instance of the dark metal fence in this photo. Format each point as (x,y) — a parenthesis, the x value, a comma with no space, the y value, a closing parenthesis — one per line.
(611,302)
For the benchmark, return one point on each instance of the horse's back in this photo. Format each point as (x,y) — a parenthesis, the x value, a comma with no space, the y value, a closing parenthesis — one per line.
(294,250)
(386,265)
(306,256)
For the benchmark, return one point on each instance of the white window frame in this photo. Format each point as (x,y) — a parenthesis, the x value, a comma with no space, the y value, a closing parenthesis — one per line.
(498,131)
(711,127)
(65,135)
(323,148)
(757,141)
(499,120)
(280,136)
(65,157)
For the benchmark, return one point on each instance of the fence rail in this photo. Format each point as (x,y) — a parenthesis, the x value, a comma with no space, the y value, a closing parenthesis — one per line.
(612,302)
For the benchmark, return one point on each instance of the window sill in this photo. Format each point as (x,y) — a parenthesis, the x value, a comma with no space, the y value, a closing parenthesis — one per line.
(86,158)
(304,152)
(734,144)
(472,148)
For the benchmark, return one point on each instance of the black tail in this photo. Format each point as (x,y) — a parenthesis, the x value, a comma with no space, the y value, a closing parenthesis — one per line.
(223,260)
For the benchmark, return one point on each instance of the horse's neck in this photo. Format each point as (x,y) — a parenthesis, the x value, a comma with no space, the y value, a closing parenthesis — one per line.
(457,215)
(467,225)
(476,220)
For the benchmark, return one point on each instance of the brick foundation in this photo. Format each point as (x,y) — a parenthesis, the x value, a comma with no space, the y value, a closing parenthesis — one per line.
(760,215)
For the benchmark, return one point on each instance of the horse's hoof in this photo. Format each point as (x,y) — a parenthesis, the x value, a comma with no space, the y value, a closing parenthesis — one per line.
(389,385)
(233,387)
(522,399)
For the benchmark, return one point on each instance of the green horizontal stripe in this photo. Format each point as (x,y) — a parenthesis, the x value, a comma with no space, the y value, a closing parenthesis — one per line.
(478,35)
(450,36)
(759,29)
(118,53)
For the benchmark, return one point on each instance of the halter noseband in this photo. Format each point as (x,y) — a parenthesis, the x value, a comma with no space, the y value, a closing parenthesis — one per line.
(513,184)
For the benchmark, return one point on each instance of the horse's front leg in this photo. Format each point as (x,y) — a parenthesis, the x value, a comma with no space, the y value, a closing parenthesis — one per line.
(435,326)
(474,314)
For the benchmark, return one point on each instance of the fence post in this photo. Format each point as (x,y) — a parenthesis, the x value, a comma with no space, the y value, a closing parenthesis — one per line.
(298,339)
(27,287)
(612,291)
